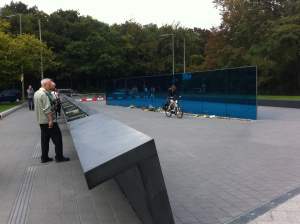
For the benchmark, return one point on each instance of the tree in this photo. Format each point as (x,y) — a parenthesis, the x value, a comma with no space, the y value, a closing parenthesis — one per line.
(22,50)
(92,56)
(216,42)
(7,74)
(262,33)
(89,51)
(284,36)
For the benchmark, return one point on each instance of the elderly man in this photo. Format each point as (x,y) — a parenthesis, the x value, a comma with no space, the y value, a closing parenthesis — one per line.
(45,112)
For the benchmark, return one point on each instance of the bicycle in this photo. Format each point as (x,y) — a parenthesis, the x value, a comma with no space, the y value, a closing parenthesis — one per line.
(177,110)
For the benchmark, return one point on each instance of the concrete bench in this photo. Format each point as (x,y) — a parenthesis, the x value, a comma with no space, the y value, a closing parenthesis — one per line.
(110,149)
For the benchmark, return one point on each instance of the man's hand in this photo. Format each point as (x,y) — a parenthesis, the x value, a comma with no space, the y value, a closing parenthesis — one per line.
(50,120)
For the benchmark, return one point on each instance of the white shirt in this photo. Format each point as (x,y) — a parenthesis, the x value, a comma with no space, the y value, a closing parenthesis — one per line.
(54,94)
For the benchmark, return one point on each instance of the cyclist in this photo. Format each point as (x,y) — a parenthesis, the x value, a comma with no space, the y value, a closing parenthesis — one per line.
(171,93)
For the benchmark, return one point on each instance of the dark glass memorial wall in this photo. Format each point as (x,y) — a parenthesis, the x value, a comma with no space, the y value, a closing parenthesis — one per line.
(226,93)
(71,111)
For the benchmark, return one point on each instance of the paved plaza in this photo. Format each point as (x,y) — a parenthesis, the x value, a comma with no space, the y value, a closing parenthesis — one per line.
(216,170)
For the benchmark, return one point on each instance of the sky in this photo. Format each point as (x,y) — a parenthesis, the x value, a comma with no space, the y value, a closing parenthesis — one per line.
(189,13)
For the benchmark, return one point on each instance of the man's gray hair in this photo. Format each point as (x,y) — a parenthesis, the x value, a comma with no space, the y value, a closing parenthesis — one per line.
(44,81)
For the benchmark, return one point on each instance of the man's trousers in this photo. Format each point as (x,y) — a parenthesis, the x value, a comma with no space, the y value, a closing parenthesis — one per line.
(55,134)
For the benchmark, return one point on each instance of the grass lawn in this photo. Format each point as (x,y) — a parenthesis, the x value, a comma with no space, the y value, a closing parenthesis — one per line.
(278,97)
(6,106)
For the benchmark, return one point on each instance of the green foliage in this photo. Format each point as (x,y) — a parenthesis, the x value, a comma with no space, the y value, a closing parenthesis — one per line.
(21,51)
(8,69)
(88,52)
(80,52)
(262,33)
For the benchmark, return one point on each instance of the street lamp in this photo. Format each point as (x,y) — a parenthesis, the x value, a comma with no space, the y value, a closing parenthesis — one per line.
(164,35)
(20,21)
(23,93)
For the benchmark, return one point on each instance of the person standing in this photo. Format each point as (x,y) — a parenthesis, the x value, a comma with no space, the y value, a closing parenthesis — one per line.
(145,91)
(55,96)
(30,92)
(45,112)
(58,109)
(52,87)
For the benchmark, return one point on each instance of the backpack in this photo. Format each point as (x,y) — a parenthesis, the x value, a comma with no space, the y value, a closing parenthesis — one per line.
(165,105)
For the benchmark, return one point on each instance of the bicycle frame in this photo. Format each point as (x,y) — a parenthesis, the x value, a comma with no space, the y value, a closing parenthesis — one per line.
(176,105)
(177,110)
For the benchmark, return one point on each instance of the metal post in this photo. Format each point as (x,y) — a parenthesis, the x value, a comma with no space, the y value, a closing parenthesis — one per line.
(22,74)
(183,54)
(23,92)
(20,21)
(20,24)
(173,56)
(42,70)
(23,89)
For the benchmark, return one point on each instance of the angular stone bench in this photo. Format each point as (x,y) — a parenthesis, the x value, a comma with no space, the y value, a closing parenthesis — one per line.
(110,149)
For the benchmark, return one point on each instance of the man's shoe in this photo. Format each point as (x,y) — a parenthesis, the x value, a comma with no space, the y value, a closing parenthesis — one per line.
(46,160)
(62,159)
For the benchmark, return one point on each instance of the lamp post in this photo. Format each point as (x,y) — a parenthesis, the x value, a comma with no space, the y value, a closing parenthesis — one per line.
(164,35)
(23,92)
(20,21)
(42,70)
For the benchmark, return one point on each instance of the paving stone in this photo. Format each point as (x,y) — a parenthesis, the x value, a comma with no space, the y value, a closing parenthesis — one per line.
(104,221)
(35,220)
(71,221)
(182,214)
(53,221)
(259,165)
(59,193)
(72,214)
(189,220)
(129,220)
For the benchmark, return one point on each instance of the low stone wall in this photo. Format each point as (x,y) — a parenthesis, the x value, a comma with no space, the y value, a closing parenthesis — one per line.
(7,112)
(279,103)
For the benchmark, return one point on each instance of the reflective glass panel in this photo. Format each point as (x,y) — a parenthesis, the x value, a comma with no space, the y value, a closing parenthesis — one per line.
(226,92)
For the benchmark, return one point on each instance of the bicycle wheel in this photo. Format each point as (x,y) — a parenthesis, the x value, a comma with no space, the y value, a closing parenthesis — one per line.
(168,113)
(179,111)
